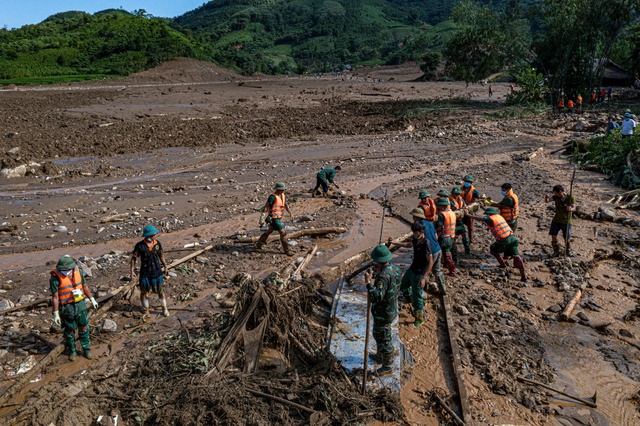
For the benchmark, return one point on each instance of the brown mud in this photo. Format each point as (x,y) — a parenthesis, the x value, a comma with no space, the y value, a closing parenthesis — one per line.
(195,151)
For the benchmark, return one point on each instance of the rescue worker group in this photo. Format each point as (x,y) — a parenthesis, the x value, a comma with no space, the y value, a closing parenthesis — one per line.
(436,231)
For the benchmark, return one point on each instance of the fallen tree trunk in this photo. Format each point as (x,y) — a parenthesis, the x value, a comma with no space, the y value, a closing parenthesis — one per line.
(297,274)
(296,234)
(566,312)
(189,257)
(53,355)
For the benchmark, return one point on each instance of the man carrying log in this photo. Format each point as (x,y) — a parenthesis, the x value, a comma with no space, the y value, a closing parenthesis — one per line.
(470,195)
(505,243)
(436,251)
(509,206)
(446,229)
(272,214)
(324,178)
(149,250)
(68,293)
(414,279)
(565,206)
(384,305)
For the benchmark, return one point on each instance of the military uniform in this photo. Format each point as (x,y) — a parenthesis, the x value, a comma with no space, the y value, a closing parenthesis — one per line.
(384,308)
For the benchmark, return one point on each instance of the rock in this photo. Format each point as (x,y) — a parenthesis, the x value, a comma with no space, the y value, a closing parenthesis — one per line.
(6,304)
(202,260)
(582,316)
(235,254)
(60,228)
(626,333)
(26,298)
(606,214)
(109,325)
(88,272)
(21,171)
(564,287)
(462,310)
(554,308)
(173,274)
(3,353)
(306,218)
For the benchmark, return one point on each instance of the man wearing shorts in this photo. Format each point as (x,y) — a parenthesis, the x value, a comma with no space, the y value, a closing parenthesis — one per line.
(152,264)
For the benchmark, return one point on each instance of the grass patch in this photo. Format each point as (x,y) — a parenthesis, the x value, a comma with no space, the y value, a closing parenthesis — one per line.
(520,111)
(54,79)
(438,105)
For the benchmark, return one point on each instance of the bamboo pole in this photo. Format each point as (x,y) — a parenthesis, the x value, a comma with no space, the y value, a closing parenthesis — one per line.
(188,257)
(566,312)
(296,234)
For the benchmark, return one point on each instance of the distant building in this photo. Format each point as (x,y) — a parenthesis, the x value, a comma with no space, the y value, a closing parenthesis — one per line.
(614,74)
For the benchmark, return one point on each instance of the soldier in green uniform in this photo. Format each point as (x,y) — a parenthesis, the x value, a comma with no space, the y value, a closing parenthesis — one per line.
(384,305)
(68,293)
(324,178)
(458,203)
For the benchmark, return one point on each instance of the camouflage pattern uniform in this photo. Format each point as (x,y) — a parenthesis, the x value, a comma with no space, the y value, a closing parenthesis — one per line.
(384,307)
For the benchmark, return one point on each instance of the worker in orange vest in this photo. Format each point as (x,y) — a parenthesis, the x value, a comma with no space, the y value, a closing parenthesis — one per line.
(470,195)
(579,103)
(272,214)
(570,105)
(592,98)
(561,104)
(68,293)
(427,205)
(457,203)
(509,206)
(442,193)
(505,243)
(446,230)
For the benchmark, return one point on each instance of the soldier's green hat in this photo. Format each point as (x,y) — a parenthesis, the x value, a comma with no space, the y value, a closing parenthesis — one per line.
(442,202)
(456,190)
(443,192)
(65,263)
(468,178)
(280,186)
(491,210)
(381,254)
(417,212)
(424,194)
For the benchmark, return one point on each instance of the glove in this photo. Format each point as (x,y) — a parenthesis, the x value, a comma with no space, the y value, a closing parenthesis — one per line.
(94,303)
(56,318)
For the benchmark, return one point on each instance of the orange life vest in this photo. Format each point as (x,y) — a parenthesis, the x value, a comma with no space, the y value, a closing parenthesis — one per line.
(561,103)
(457,202)
(593,96)
(570,103)
(429,209)
(448,229)
(467,194)
(277,209)
(579,100)
(511,213)
(500,228)
(68,286)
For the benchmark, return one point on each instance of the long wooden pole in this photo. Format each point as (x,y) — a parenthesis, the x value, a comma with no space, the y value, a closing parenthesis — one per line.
(566,312)
(566,234)
(542,385)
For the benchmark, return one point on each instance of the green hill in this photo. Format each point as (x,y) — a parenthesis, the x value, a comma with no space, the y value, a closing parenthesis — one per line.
(281,36)
(75,45)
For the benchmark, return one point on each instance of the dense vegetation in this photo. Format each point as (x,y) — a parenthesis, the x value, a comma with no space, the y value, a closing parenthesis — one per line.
(77,44)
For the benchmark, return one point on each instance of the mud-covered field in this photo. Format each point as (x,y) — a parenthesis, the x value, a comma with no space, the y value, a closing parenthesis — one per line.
(195,150)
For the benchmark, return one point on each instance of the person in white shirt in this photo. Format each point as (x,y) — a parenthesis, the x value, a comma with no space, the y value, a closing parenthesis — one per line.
(628,124)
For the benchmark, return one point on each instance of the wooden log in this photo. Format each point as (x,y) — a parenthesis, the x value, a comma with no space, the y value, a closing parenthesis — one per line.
(471,208)
(313,232)
(297,274)
(188,257)
(53,355)
(532,155)
(457,420)
(49,343)
(542,385)
(27,305)
(115,218)
(457,364)
(566,312)
(282,401)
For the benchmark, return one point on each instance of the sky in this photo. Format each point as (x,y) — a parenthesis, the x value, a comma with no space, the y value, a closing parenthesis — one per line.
(16,13)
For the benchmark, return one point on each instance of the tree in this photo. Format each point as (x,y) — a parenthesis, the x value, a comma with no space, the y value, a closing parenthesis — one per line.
(430,66)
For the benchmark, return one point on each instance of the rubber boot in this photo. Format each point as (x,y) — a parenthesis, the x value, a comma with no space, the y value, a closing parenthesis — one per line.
(385,370)
(454,252)
(570,252)
(262,241)
(498,256)
(375,356)
(165,310)
(285,245)
(470,231)
(467,245)
(70,342)
(556,249)
(441,283)
(519,263)
(448,259)
(85,342)
(418,318)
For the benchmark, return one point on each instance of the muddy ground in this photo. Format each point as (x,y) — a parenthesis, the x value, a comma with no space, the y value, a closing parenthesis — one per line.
(195,150)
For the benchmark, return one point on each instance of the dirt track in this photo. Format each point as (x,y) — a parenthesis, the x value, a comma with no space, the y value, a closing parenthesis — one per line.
(195,150)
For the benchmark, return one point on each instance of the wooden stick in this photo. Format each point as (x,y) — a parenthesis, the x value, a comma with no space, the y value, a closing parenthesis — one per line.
(282,401)
(457,365)
(296,276)
(26,306)
(189,257)
(296,234)
(457,420)
(542,385)
(47,342)
(534,154)
(365,370)
(566,312)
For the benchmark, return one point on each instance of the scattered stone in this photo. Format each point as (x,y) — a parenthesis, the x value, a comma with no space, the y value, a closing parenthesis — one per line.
(462,310)
(60,228)
(554,308)
(173,274)
(109,325)
(582,316)
(6,304)
(626,333)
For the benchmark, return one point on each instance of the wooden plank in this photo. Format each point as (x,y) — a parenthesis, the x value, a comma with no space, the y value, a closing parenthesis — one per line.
(189,257)
(457,365)
(312,232)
